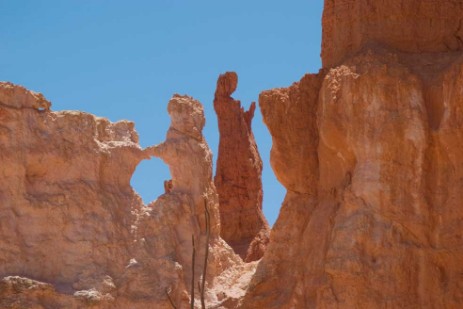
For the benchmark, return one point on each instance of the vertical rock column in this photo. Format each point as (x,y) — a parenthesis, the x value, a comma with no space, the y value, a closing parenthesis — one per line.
(238,176)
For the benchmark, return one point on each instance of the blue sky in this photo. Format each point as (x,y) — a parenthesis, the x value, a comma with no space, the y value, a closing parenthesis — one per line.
(124,60)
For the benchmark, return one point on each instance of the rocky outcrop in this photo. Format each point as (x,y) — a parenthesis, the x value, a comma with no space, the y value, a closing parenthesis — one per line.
(374,219)
(238,175)
(412,26)
(290,115)
(75,234)
(66,204)
(369,150)
(166,227)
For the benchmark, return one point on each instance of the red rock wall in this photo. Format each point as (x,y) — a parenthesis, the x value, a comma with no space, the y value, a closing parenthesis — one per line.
(381,225)
(415,26)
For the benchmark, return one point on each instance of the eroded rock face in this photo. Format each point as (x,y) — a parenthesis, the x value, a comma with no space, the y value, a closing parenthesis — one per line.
(369,150)
(65,194)
(164,230)
(374,219)
(290,115)
(414,26)
(74,233)
(238,175)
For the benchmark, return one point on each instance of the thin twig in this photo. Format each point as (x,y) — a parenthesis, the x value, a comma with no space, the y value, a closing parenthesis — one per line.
(206,255)
(192,302)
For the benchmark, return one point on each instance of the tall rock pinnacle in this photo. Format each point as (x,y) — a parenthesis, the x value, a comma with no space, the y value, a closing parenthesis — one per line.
(238,175)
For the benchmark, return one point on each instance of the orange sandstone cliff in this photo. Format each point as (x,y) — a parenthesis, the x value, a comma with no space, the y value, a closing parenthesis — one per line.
(410,26)
(369,150)
(238,176)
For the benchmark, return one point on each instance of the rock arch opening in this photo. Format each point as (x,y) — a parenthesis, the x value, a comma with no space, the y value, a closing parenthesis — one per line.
(149,179)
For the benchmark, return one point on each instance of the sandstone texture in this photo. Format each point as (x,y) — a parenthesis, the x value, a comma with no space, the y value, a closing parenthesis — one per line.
(73,232)
(238,174)
(374,218)
(369,150)
(165,228)
(66,204)
(413,26)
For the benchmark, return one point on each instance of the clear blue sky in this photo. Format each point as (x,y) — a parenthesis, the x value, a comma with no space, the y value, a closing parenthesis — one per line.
(125,59)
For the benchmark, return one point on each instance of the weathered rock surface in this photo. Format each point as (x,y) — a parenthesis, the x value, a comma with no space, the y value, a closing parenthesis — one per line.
(369,150)
(65,197)
(238,174)
(374,220)
(413,26)
(73,232)
(165,228)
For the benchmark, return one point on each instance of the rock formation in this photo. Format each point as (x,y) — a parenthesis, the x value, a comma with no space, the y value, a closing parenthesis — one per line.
(73,232)
(238,176)
(368,152)
(410,26)
(166,227)
(65,197)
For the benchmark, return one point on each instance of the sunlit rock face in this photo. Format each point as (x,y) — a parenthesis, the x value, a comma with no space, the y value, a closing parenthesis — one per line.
(239,174)
(64,189)
(66,204)
(411,26)
(166,227)
(369,151)
(73,232)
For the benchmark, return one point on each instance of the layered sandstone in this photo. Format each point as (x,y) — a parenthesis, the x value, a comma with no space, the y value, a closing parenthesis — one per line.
(412,26)
(368,150)
(75,234)
(66,204)
(238,174)
(374,219)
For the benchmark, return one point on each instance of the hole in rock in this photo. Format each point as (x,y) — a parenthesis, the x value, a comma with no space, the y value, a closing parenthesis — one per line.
(148,179)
